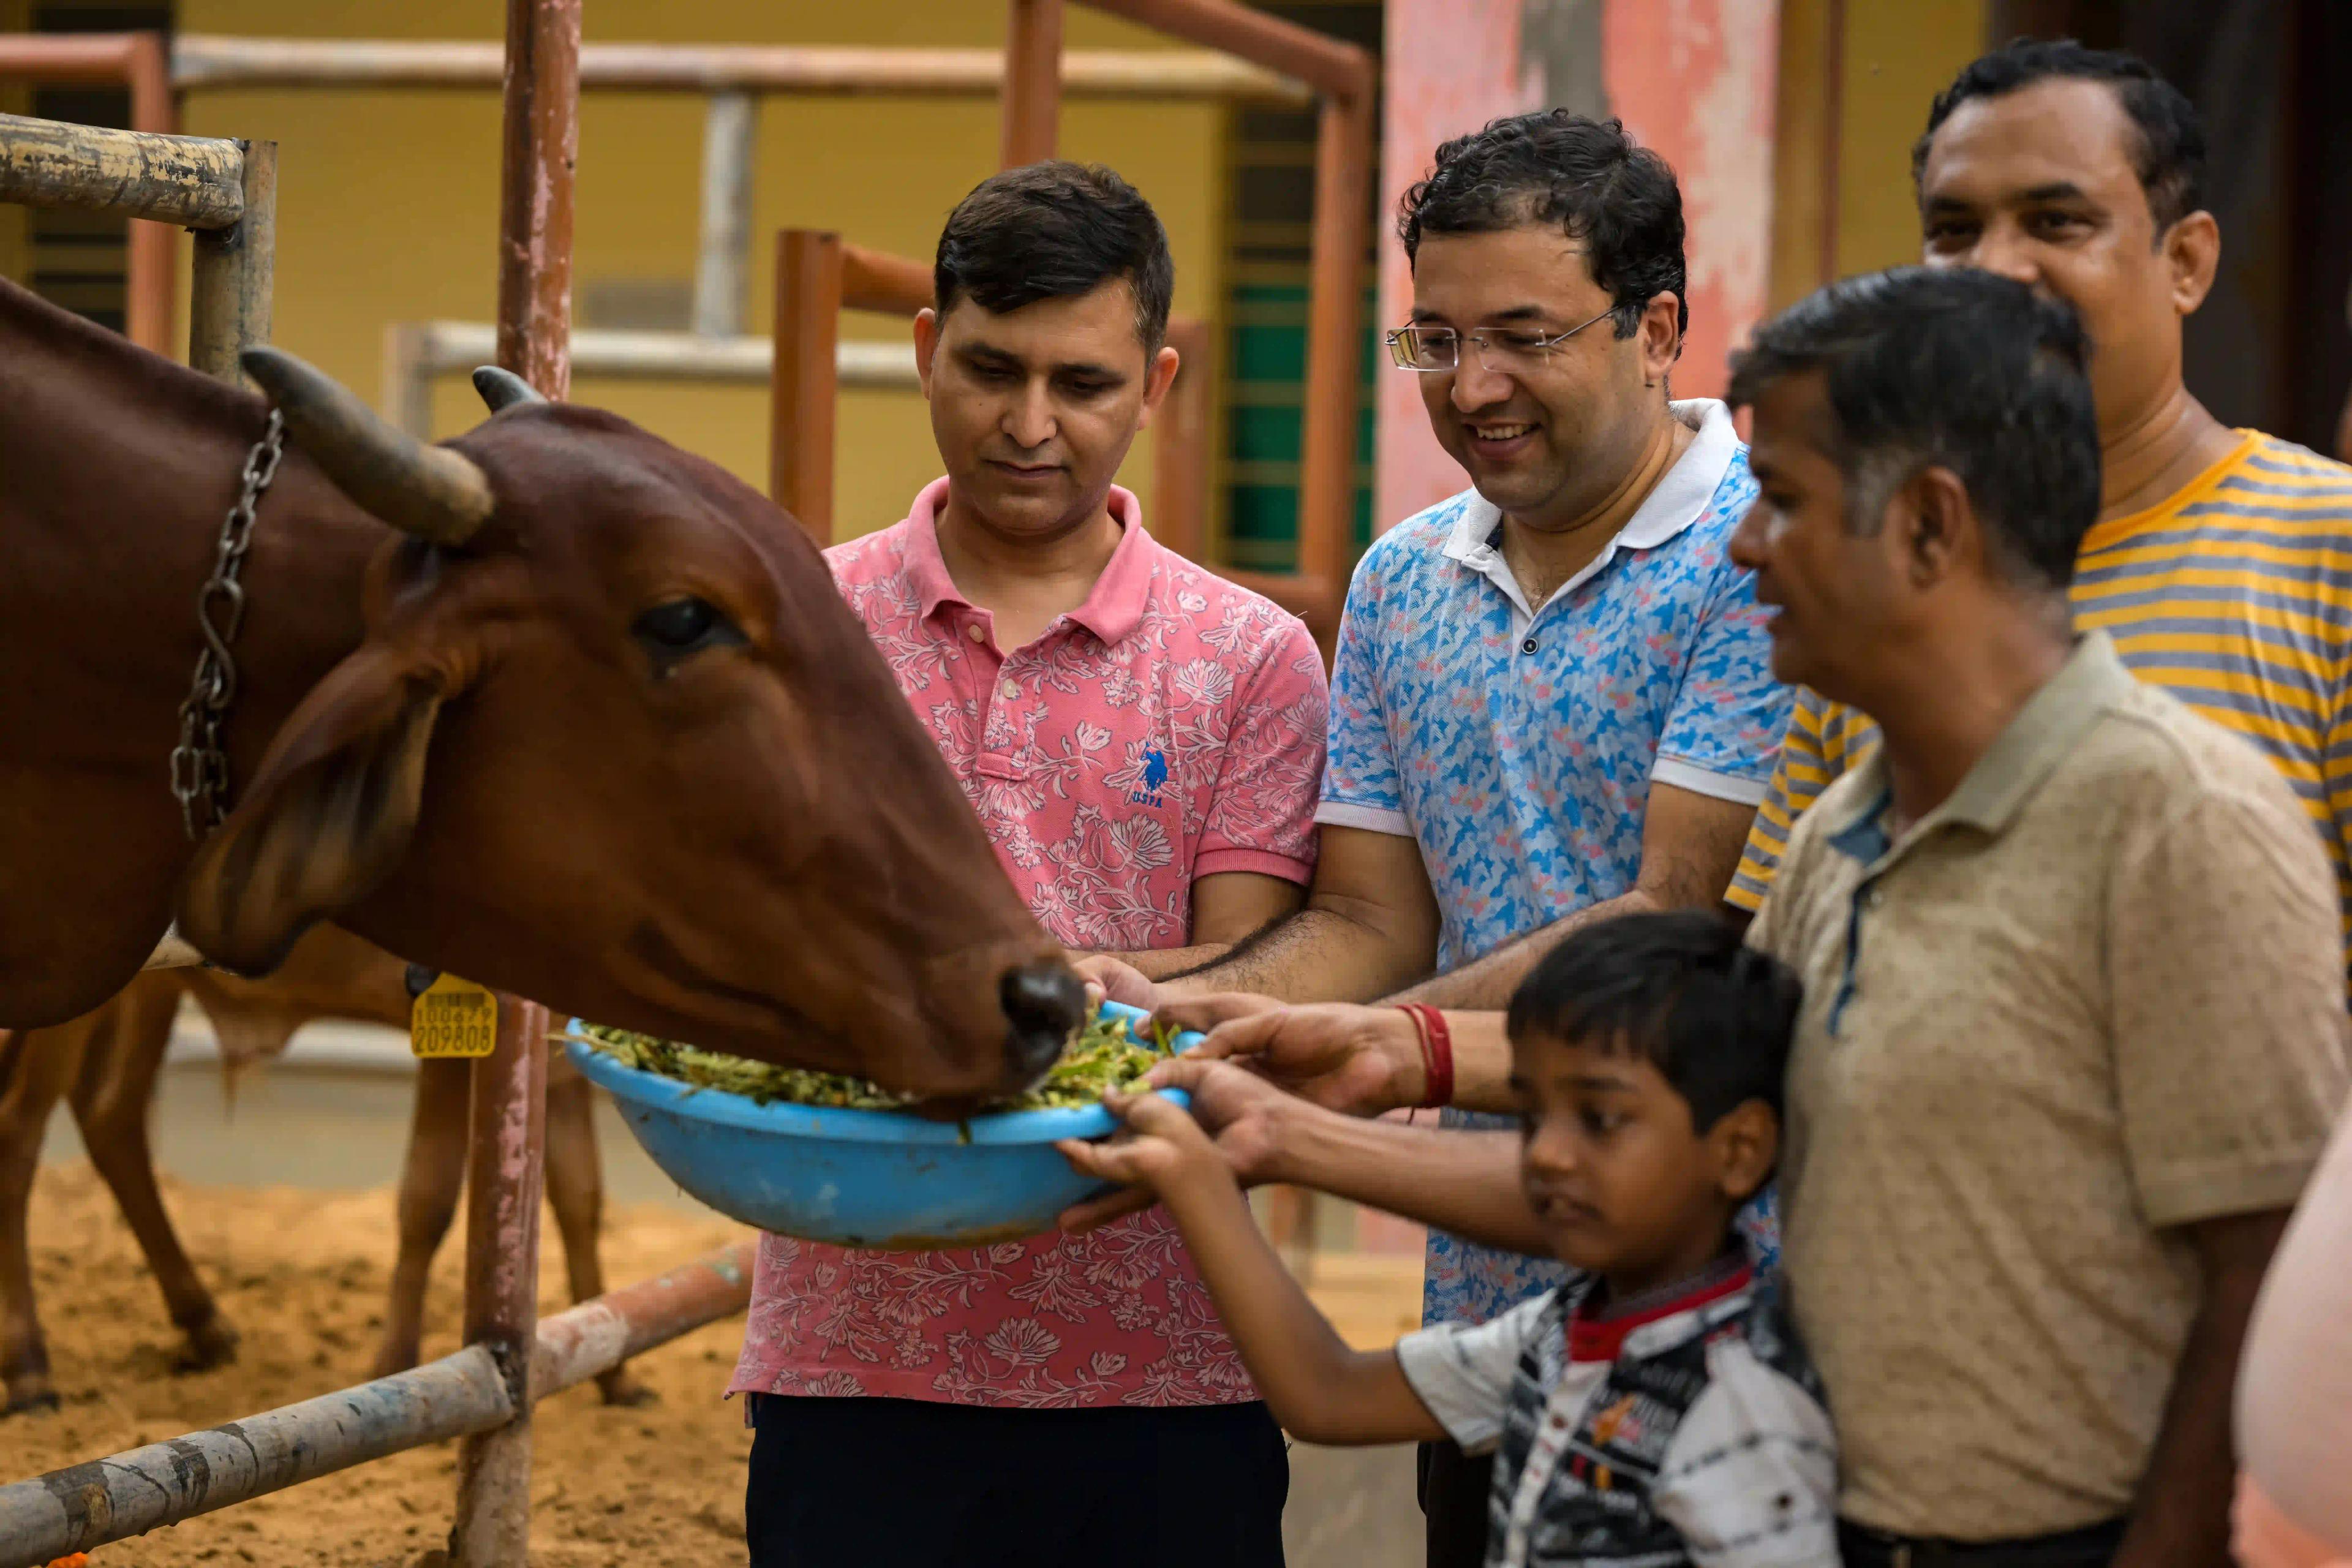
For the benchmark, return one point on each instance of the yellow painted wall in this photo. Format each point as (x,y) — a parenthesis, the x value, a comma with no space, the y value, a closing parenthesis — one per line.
(1898,55)
(388,200)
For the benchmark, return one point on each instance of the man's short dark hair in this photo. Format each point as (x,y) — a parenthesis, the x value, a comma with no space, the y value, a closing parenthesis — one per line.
(1679,991)
(1614,197)
(1053,231)
(1957,368)
(2168,151)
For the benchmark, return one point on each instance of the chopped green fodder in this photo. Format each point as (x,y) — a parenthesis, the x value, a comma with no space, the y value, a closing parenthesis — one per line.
(1104,1055)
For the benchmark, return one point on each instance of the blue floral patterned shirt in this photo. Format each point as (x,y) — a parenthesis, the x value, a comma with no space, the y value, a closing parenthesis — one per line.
(1517,743)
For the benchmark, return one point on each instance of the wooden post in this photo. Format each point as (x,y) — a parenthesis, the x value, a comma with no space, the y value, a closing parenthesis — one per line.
(1033,82)
(228,300)
(503,1181)
(1335,293)
(801,413)
(722,267)
(1179,460)
(541,149)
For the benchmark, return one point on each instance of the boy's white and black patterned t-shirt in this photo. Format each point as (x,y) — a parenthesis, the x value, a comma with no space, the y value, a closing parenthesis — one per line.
(1683,1431)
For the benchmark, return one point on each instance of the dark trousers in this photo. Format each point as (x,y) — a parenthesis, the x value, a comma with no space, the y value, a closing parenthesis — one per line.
(1454,1490)
(880,1483)
(2092,1547)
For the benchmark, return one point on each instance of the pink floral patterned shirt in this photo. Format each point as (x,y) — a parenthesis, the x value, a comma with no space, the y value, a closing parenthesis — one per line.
(1169,729)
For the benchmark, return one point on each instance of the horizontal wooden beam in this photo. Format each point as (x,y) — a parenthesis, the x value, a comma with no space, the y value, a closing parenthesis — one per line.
(1302,53)
(877,280)
(598,1335)
(100,58)
(87,1505)
(213,61)
(445,346)
(415,352)
(194,181)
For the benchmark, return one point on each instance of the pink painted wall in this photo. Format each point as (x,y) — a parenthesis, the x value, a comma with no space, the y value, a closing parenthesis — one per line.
(1450,66)
(1693,79)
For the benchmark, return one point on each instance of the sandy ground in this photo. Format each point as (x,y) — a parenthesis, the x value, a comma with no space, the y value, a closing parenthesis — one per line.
(299,1251)
(303,1275)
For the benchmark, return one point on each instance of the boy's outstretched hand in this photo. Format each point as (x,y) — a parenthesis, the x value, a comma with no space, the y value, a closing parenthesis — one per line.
(1163,1149)
(1232,1124)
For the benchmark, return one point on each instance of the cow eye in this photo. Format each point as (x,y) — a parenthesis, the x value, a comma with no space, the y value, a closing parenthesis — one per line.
(683,626)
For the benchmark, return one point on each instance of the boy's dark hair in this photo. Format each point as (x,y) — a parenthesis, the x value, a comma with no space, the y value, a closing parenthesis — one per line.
(1956,368)
(1617,198)
(2169,156)
(1679,990)
(1052,231)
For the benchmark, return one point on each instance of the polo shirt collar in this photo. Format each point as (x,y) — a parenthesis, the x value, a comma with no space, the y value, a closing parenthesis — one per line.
(1113,609)
(1679,498)
(1990,797)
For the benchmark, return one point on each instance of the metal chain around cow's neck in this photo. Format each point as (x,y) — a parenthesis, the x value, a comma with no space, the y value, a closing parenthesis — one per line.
(199,766)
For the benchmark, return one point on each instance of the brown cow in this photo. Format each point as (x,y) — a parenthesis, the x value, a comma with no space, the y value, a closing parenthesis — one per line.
(105,1064)
(587,723)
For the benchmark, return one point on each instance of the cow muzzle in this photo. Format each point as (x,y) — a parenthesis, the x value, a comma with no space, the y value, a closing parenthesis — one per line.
(1043,1005)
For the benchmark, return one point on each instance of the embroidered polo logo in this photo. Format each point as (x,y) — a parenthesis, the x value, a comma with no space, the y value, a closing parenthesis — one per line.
(1155,774)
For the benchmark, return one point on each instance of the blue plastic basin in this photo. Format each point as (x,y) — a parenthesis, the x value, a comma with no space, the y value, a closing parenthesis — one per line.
(879,1179)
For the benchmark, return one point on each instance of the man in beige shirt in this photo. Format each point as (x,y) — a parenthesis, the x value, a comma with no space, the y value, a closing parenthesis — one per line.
(2074,1030)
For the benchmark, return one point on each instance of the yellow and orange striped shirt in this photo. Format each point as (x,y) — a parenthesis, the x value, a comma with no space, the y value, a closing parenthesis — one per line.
(2234,595)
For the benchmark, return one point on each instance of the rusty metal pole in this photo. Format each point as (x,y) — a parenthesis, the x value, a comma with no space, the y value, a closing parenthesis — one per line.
(541,146)
(1032,81)
(505,1163)
(228,296)
(1327,481)
(801,413)
(150,249)
(504,1173)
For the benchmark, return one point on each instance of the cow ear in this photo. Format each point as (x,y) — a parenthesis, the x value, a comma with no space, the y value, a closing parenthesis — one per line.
(327,816)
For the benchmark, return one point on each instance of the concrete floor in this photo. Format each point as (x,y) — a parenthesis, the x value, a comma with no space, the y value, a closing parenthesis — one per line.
(334,1114)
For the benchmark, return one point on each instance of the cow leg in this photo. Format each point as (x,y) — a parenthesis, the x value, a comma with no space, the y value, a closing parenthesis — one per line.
(575,1188)
(35,1067)
(111,1097)
(431,1178)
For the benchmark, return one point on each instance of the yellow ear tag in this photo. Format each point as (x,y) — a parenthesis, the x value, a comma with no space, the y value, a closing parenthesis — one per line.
(453,1017)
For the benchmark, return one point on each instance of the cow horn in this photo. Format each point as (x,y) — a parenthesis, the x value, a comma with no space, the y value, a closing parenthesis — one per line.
(429,491)
(502,389)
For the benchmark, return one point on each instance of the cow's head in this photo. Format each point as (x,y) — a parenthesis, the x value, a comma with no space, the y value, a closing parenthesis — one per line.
(613,741)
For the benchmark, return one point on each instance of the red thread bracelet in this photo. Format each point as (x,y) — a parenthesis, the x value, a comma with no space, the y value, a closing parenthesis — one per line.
(1436,1052)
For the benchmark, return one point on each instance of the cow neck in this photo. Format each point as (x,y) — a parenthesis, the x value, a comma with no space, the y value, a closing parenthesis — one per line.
(120,467)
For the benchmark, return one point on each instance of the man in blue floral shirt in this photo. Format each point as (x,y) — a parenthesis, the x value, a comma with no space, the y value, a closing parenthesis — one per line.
(1552,700)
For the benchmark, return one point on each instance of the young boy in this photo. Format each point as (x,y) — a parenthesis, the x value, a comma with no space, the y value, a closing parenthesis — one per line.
(1655,1409)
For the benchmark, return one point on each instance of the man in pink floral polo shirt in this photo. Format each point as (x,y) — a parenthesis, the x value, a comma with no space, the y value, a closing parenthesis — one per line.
(1144,744)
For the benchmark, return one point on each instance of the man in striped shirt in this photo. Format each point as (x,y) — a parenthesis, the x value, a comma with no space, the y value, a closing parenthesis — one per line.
(2218,563)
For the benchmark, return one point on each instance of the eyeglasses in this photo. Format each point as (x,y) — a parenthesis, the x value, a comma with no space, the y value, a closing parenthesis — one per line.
(1436,349)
